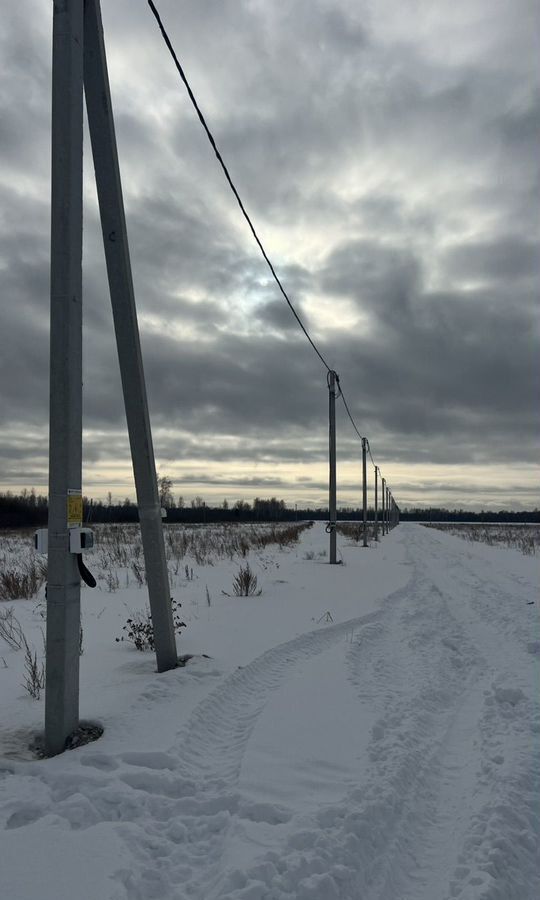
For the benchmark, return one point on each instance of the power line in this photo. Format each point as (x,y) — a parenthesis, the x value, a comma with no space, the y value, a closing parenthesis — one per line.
(346,405)
(246,215)
(230,181)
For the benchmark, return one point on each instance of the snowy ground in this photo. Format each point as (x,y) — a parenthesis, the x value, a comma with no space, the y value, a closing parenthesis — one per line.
(361,731)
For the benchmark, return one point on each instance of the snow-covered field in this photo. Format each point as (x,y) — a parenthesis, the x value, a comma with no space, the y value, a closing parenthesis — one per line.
(369,730)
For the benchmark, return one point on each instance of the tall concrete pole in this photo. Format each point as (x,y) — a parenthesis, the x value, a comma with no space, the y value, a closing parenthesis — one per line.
(364,489)
(332,459)
(65,411)
(113,223)
(376,522)
(383,501)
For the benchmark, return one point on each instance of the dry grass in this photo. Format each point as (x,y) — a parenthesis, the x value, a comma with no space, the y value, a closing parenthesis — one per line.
(525,538)
(118,560)
(354,531)
(22,580)
(245,583)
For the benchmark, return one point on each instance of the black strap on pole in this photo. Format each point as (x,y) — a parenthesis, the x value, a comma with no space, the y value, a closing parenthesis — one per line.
(86,576)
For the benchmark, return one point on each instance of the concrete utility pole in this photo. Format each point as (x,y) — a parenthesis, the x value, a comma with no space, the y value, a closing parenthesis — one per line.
(79,57)
(364,488)
(65,411)
(376,522)
(113,224)
(332,458)
(383,515)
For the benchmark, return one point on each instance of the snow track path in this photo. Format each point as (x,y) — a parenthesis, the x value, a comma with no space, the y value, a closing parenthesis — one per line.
(387,757)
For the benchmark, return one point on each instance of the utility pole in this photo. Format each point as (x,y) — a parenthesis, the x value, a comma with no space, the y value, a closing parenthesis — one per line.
(65,409)
(115,239)
(332,457)
(79,59)
(364,487)
(376,523)
(383,496)
(387,510)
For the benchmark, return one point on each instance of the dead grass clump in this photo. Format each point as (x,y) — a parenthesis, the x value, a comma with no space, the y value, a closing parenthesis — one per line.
(523,537)
(34,672)
(354,531)
(10,628)
(22,581)
(245,583)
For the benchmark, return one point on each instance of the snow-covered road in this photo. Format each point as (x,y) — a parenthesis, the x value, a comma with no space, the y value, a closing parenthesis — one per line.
(391,754)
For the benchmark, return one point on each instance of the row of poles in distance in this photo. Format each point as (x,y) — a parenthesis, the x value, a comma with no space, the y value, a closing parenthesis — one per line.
(389,508)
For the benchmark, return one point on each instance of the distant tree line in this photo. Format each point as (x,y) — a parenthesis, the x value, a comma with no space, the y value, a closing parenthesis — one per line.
(29,509)
(439,514)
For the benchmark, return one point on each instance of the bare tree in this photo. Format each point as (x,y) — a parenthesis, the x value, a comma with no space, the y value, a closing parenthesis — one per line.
(165,485)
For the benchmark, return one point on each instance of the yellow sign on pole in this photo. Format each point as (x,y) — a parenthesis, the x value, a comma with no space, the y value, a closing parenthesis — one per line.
(74,509)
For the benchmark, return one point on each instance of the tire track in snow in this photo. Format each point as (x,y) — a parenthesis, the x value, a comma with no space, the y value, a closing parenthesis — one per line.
(187,799)
(418,673)
(401,662)
(501,845)
(432,817)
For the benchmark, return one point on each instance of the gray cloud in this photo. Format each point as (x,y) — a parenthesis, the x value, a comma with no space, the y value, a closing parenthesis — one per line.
(393,174)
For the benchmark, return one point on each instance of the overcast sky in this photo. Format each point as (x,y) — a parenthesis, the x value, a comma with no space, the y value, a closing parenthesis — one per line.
(389,154)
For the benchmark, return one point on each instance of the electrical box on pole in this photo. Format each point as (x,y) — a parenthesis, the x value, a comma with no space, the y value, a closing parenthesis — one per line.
(332,460)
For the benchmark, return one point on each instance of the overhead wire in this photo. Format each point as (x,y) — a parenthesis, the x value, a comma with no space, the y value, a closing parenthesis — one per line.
(230,181)
(245,214)
(346,405)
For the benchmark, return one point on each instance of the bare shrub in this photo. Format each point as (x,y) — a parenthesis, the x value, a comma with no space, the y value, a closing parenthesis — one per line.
(140,630)
(245,583)
(10,628)
(23,581)
(112,581)
(139,571)
(34,673)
